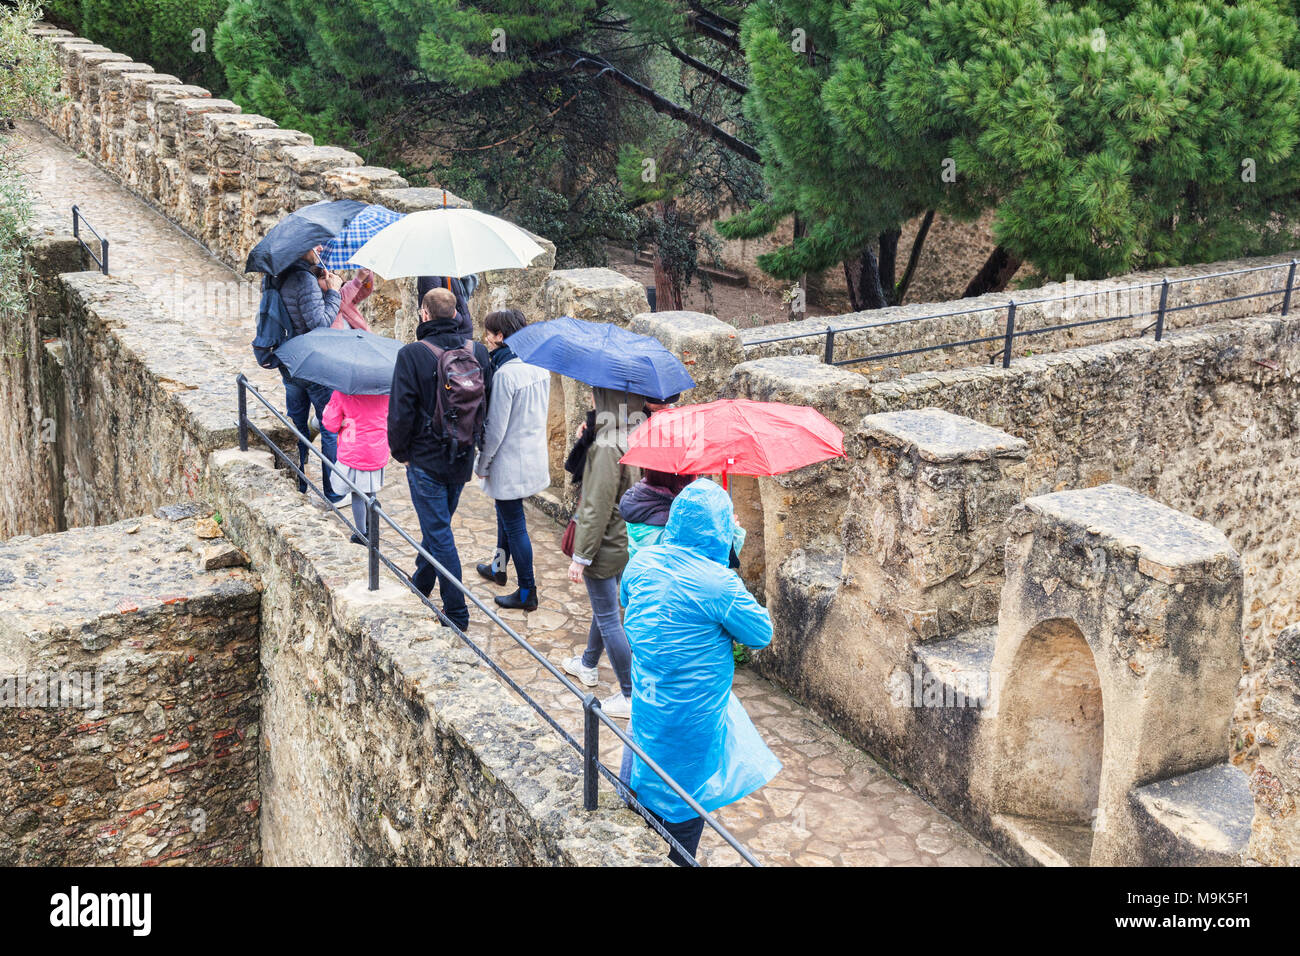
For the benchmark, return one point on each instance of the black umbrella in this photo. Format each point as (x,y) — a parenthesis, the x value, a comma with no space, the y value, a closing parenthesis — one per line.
(299,232)
(348,360)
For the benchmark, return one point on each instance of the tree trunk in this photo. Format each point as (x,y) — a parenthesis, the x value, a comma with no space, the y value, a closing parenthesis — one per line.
(668,285)
(994,275)
(889,264)
(798,309)
(913,257)
(862,274)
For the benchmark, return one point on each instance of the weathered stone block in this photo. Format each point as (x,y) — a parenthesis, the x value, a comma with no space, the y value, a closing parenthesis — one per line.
(146,752)
(1087,638)
(709,348)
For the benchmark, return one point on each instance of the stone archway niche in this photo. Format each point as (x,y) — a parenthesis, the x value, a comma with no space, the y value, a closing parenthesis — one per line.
(1051,730)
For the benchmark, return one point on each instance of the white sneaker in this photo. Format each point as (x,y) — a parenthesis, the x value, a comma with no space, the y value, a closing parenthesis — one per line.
(320,504)
(588,675)
(617,705)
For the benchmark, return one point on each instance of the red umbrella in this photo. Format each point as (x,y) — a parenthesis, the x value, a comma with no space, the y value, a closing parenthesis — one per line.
(734,436)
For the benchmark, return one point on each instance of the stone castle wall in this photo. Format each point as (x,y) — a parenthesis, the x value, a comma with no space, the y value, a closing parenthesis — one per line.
(444,767)
(1183,421)
(386,741)
(152,760)
(225,176)
(111,406)
(1205,422)
(1193,299)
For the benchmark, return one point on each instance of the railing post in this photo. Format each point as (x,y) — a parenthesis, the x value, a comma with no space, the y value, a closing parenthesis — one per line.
(103,252)
(372,540)
(829,357)
(1290,281)
(76,226)
(590,751)
(1164,301)
(1011,334)
(243,412)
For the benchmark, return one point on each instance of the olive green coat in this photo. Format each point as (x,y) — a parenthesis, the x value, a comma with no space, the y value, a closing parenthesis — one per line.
(600,536)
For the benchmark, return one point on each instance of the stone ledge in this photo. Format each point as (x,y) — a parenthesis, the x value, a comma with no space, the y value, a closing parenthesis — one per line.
(419,198)
(139,566)
(1163,541)
(1201,818)
(939,436)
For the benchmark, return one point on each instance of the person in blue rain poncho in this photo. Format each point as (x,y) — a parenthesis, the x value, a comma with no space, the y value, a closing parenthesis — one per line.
(684,609)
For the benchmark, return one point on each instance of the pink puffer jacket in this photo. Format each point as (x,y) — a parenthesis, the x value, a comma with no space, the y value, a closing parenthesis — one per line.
(361,422)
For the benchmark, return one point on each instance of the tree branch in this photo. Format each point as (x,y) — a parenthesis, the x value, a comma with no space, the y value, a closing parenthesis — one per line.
(729,40)
(661,104)
(704,68)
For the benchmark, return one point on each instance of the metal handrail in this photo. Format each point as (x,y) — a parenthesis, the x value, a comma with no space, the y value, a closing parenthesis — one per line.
(1012,333)
(101,260)
(593,716)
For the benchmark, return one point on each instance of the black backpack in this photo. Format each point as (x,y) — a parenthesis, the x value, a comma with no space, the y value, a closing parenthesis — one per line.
(274,327)
(459,405)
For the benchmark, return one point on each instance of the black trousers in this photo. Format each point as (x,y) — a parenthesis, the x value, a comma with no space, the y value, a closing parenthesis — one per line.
(687,833)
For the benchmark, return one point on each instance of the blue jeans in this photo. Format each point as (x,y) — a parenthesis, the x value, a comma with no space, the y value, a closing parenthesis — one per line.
(299,398)
(435,504)
(513,542)
(606,632)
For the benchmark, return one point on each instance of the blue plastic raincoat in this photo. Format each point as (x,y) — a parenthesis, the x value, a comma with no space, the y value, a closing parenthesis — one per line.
(684,608)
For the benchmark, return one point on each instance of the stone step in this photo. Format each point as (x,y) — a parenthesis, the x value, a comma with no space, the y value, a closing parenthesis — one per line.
(957,668)
(1201,818)
(1043,842)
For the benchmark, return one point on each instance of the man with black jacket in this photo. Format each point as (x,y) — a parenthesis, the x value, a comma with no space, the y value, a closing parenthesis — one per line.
(435,479)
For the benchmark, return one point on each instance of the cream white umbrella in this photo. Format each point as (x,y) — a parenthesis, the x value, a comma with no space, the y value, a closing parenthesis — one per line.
(447,242)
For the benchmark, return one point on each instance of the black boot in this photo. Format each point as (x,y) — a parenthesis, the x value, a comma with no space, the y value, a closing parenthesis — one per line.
(515,601)
(497,577)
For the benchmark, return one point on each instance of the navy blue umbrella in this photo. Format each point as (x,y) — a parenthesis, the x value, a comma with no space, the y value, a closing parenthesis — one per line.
(348,360)
(300,231)
(603,355)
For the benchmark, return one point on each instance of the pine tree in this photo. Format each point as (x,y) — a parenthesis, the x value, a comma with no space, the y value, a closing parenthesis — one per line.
(1109,136)
(521,105)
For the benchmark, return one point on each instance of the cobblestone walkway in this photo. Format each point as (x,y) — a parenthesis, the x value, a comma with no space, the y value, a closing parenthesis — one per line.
(830,805)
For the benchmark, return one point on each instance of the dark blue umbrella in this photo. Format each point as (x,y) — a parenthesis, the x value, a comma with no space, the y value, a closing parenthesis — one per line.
(603,355)
(296,233)
(347,360)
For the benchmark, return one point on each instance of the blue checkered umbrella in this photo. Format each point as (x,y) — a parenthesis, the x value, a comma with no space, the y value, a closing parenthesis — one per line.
(364,226)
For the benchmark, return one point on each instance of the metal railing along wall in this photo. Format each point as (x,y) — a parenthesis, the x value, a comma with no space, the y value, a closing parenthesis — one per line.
(101,260)
(1012,332)
(593,717)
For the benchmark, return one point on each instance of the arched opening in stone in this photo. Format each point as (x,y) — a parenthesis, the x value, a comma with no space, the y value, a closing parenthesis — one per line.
(748,501)
(1050,740)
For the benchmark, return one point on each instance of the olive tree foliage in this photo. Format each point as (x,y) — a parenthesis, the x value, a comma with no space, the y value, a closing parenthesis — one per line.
(28,83)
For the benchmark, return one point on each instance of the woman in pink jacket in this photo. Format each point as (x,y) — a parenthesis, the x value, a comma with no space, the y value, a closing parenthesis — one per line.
(361,422)
(354,292)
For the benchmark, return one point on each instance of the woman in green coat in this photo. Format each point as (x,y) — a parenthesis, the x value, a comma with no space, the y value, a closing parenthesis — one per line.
(600,547)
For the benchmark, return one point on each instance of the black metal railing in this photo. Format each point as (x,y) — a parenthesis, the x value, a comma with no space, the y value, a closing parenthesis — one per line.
(101,260)
(1012,332)
(592,715)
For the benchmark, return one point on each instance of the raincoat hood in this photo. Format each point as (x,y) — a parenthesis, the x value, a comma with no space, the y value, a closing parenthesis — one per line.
(702,519)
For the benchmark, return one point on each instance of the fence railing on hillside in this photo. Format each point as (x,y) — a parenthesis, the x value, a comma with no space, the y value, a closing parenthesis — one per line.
(593,717)
(1012,331)
(78,220)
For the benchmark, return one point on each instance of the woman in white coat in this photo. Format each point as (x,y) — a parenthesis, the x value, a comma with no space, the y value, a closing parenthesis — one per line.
(513,463)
